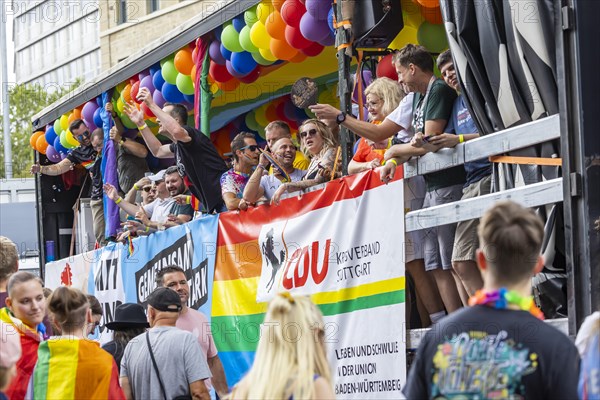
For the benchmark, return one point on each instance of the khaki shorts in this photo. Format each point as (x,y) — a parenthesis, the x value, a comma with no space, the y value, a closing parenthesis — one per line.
(466,241)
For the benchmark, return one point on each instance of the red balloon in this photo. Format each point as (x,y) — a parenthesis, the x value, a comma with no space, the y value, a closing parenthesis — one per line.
(295,39)
(219,72)
(279,110)
(292,11)
(135,88)
(298,58)
(252,76)
(147,112)
(387,68)
(313,50)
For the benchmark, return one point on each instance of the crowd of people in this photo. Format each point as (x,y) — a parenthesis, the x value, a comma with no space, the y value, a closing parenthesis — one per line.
(449,266)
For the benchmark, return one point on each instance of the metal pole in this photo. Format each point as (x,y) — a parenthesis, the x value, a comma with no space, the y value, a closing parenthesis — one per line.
(5,99)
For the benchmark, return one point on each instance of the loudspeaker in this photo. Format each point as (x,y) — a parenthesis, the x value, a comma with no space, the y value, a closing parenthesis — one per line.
(376,22)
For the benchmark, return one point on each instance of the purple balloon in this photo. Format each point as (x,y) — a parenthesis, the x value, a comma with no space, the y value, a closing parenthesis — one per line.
(63,155)
(215,52)
(143,74)
(232,70)
(188,105)
(90,125)
(319,9)
(189,98)
(87,112)
(158,98)
(97,117)
(157,80)
(328,41)
(52,154)
(313,29)
(147,83)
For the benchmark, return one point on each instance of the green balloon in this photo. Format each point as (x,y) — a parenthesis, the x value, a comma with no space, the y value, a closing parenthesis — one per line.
(63,140)
(169,72)
(250,16)
(432,37)
(245,41)
(58,129)
(127,123)
(251,122)
(185,84)
(260,59)
(164,60)
(231,39)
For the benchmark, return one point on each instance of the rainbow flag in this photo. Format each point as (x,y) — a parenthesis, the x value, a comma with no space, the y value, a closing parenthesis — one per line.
(303,246)
(69,368)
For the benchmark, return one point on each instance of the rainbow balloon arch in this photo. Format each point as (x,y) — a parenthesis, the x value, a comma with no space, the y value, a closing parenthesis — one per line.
(274,41)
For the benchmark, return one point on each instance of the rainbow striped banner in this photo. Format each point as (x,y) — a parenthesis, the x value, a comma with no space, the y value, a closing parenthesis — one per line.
(343,246)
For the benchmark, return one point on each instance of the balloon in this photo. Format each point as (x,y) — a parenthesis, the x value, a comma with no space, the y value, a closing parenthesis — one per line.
(282,50)
(88,110)
(164,60)
(411,13)
(318,9)
(171,93)
(230,39)
(259,36)
(147,112)
(215,52)
(189,98)
(219,72)
(251,122)
(193,74)
(432,37)
(295,39)
(299,57)
(169,72)
(71,141)
(76,114)
(275,26)
(243,63)
(263,10)
(97,118)
(245,40)
(432,15)
(407,35)
(183,62)
(232,70)
(64,121)
(313,29)
(158,80)
(143,74)
(429,3)
(328,41)
(238,22)
(90,125)
(41,144)
(52,154)
(267,55)
(154,68)
(277,4)
(58,146)
(291,12)
(252,76)
(313,50)
(50,134)
(34,137)
(126,93)
(135,88)
(185,84)
(63,140)
(147,83)
(225,53)
(271,112)
(260,59)
(57,128)
(228,86)
(386,68)
(127,123)
(158,98)
(250,16)
(331,21)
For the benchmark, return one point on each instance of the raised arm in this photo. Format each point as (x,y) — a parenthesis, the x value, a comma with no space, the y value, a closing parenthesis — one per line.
(113,194)
(157,149)
(253,190)
(168,122)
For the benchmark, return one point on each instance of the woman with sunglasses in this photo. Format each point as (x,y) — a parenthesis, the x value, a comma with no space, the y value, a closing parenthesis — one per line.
(319,144)
(383,96)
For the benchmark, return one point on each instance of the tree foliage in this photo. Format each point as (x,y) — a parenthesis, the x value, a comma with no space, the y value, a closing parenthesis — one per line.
(25,101)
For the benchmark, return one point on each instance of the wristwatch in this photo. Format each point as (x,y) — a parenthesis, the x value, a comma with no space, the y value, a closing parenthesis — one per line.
(341,117)
(122,141)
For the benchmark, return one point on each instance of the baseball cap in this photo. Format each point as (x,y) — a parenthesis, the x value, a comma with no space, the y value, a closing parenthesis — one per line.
(165,299)
(159,176)
(10,345)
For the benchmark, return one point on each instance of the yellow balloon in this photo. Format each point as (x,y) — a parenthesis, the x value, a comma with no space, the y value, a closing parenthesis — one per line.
(261,115)
(263,10)
(71,139)
(266,54)
(64,122)
(259,36)
(407,35)
(120,105)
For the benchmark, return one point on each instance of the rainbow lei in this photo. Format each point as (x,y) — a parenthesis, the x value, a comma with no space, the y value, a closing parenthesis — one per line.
(502,297)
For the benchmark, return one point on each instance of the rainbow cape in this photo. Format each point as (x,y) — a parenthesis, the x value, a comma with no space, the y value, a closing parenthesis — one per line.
(70,368)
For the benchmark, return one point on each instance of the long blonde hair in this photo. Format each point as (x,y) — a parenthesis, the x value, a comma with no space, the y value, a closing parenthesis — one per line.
(388,91)
(291,351)
(329,139)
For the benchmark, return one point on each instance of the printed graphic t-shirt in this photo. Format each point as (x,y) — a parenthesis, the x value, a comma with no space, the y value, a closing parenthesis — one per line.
(91,160)
(481,352)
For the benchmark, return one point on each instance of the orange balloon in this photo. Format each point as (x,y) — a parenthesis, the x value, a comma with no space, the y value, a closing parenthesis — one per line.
(432,15)
(277,4)
(228,86)
(221,141)
(298,58)
(282,50)
(126,93)
(41,145)
(76,114)
(429,3)
(275,26)
(193,74)
(33,139)
(184,61)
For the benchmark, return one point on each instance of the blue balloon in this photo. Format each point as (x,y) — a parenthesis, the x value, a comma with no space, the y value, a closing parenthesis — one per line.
(154,68)
(239,23)
(98,118)
(171,93)
(157,80)
(243,63)
(59,147)
(217,31)
(330,21)
(225,53)
(50,135)
(189,98)
(99,101)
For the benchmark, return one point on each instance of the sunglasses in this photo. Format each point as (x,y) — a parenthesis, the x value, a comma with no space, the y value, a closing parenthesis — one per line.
(147,188)
(85,134)
(310,132)
(251,147)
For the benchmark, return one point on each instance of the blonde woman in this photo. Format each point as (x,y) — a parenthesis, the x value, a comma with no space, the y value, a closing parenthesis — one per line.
(289,367)
(319,144)
(383,97)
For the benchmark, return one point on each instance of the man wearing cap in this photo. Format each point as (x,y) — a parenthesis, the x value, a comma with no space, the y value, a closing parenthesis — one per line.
(178,368)
(193,321)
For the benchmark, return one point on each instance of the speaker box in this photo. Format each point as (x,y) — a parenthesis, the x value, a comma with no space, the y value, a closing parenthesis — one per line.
(376,22)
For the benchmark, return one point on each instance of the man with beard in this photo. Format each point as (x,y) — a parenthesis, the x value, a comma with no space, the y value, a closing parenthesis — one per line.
(191,320)
(259,184)
(196,157)
(245,158)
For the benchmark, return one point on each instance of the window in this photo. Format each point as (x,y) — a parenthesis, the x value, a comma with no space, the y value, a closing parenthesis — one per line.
(153,5)
(121,11)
